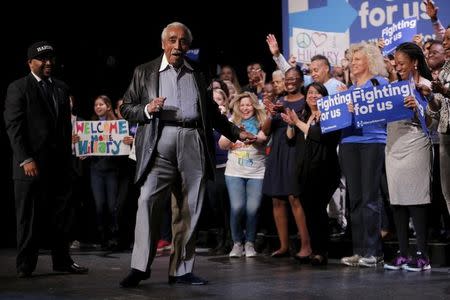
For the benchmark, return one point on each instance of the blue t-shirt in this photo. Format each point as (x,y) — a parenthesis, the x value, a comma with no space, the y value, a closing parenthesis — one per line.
(370,133)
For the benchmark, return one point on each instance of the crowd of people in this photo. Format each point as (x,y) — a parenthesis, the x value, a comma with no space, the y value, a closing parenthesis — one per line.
(254,144)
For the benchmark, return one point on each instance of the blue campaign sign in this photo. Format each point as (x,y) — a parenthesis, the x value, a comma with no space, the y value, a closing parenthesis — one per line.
(397,33)
(421,106)
(381,103)
(319,26)
(334,114)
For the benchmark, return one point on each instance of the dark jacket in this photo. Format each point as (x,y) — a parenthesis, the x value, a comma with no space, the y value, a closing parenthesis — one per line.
(144,88)
(34,130)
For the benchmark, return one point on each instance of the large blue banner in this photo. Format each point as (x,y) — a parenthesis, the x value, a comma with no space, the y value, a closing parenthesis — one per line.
(374,15)
(328,27)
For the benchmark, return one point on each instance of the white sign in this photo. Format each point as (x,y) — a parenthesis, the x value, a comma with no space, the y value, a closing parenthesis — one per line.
(306,43)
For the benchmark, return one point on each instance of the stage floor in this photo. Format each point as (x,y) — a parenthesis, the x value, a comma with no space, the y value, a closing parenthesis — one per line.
(246,278)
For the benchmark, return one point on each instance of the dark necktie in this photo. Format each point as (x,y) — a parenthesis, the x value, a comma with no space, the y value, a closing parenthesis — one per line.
(47,90)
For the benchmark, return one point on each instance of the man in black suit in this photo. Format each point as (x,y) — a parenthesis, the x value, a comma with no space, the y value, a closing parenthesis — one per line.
(174,152)
(38,123)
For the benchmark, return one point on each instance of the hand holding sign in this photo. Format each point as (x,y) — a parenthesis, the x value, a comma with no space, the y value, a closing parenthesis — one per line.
(418,40)
(410,102)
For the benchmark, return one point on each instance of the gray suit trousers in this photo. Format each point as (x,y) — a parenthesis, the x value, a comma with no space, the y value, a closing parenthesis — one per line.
(178,167)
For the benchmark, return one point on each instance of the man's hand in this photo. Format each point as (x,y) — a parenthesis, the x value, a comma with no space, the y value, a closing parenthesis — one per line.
(128,140)
(273,45)
(431,10)
(247,137)
(30,169)
(156,105)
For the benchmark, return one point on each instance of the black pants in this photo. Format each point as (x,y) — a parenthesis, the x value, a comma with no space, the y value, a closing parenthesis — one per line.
(43,209)
(315,206)
(418,214)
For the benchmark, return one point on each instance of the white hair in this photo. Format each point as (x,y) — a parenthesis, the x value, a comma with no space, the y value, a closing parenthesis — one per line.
(177,24)
(374,58)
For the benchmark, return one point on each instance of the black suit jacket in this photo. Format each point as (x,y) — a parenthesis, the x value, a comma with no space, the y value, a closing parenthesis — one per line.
(144,88)
(34,130)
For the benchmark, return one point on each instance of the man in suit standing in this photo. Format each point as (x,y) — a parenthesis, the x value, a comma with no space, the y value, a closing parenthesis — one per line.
(174,151)
(37,120)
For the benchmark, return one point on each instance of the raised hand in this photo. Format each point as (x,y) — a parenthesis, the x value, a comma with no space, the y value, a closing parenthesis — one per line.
(431,9)
(273,45)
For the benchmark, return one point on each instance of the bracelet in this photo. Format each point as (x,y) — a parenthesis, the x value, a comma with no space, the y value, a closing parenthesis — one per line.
(291,126)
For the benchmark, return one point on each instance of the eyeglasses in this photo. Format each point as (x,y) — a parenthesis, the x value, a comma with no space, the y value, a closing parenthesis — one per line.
(291,79)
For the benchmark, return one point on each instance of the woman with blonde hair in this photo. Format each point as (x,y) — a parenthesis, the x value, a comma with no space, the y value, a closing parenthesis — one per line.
(361,154)
(244,173)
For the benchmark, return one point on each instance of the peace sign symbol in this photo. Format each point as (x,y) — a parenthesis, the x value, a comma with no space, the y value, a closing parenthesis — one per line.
(303,40)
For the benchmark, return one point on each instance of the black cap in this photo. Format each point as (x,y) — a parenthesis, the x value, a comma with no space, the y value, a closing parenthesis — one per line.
(41,49)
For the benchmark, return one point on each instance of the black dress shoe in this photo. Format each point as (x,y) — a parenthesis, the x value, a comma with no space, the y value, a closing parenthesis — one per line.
(303,259)
(187,278)
(23,274)
(133,278)
(72,268)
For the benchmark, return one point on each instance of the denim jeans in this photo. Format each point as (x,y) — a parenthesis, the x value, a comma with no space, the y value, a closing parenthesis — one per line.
(245,198)
(104,188)
(362,165)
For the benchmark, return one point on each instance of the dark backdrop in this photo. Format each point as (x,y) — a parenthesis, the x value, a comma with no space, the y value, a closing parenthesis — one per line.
(99,47)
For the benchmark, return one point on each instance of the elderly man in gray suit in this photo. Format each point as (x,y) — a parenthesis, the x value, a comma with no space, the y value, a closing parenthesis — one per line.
(174,152)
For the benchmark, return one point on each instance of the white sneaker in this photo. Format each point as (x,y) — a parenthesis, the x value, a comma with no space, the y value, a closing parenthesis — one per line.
(250,250)
(75,245)
(351,261)
(237,251)
(370,261)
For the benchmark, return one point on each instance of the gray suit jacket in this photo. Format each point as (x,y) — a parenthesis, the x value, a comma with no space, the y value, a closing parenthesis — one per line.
(144,88)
